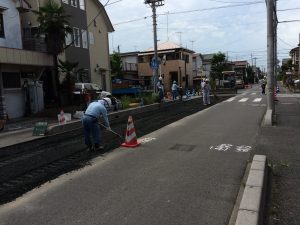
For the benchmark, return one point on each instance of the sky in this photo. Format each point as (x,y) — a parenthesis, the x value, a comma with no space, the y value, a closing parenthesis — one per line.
(237,28)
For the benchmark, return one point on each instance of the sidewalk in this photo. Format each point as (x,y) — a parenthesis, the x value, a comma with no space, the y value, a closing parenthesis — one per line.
(20,130)
(281,145)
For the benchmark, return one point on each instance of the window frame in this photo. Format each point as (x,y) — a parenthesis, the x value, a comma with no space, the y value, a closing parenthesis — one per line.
(82,4)
(91,38)
(76,37)
(2,29)
(84,36)
(74,3)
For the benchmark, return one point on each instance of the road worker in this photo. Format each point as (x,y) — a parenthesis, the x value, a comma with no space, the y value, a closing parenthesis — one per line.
(160,88)
(174,89)
(206,91)
(94,111)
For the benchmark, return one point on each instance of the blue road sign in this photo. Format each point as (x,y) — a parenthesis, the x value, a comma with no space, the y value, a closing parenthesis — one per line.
(154,65)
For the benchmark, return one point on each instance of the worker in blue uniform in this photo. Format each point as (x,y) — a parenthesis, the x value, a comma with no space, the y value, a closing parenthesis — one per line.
(91,126)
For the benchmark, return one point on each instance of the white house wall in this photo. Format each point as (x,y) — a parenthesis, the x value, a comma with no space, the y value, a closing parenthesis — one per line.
(12,26)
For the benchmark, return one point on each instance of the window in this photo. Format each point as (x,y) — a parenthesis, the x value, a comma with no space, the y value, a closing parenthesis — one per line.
(91,37)
(74,3)
(11,80)
(68,39)
(65,1)
(82,4)
(84,39)
(2,34)
(76,37)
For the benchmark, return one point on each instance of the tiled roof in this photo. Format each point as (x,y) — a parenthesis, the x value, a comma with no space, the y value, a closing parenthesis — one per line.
(165,46)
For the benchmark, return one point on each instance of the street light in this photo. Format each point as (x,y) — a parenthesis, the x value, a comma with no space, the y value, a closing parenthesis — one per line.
(154,4)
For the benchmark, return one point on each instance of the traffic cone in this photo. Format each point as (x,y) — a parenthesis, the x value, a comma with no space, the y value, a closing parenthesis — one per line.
(130,138)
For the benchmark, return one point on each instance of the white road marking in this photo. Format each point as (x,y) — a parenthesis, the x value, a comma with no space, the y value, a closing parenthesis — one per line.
(243,100)
(228,147)
(253,93)
(146,140)
(230,99)
(244,93)
(257,100)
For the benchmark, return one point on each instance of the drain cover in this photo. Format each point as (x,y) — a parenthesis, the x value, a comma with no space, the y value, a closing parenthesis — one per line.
(184,148)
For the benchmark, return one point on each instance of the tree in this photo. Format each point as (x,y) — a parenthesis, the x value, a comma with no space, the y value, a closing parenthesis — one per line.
(116,64)
(55,25)
(250,75)
(218,65)
(70,72)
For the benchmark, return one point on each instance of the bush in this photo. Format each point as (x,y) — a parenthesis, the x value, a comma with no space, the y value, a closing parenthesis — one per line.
(147,98)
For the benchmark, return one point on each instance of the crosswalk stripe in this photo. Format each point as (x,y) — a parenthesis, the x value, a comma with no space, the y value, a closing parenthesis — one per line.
(230,99)
(243,100)
(257,100)
(253,93)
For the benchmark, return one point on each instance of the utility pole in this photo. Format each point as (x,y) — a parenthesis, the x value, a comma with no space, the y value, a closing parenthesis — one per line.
(192,44)
(270,51)
(167,26)
(275,45)
(153,4)
(179,34)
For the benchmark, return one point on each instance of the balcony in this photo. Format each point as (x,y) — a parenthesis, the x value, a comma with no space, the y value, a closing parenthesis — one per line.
(34,44)
(130,67)
(24,57)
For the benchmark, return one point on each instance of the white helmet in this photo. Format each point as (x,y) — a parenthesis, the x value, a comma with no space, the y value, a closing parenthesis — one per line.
(106,102)
(160,78)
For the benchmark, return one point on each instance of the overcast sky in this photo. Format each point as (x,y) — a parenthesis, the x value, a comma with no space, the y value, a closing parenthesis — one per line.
(205,26)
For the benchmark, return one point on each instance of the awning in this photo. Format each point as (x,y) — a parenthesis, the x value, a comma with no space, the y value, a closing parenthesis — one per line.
(159,52)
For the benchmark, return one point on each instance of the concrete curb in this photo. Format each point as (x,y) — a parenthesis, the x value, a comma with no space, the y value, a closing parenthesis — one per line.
(268,119)
(251,209)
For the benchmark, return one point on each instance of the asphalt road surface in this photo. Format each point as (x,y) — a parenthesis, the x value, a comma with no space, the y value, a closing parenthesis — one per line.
(186,173)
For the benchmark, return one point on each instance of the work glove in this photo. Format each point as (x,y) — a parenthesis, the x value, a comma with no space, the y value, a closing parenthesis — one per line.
(108,128)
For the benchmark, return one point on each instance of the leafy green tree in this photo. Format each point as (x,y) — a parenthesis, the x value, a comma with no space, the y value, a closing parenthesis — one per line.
(55,25)
(218,66)
(250,75)
(288,66)
(116,64)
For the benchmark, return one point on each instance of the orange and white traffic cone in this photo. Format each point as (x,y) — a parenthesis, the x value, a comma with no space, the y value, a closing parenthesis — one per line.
(130,138)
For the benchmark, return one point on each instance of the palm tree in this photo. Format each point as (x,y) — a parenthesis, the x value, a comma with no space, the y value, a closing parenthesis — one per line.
(70,70)
(55,25)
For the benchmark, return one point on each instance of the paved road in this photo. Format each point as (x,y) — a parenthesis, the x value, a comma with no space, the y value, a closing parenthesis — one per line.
(188,172)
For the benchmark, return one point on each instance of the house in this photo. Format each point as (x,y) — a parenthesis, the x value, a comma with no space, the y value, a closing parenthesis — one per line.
(23,60)
(130,65)
(240,67)
(206,64)
(175,65)
(24,57)
(294,53)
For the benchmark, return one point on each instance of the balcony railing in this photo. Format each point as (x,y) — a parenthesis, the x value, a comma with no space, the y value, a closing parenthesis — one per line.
(130,67)
(34,44)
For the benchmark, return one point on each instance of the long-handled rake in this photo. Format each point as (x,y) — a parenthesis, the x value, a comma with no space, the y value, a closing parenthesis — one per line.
(120,136)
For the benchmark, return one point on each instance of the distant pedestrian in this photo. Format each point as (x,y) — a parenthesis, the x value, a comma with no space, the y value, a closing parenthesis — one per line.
(27,98)
(206,92)
(263,87)
(160,88)
(174,90)
(91,126)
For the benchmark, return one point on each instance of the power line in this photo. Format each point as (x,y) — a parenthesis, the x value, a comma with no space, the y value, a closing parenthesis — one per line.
(289,21)
(281,10)
(191,11)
